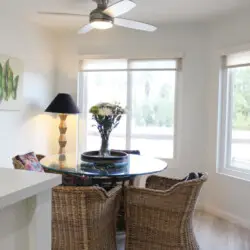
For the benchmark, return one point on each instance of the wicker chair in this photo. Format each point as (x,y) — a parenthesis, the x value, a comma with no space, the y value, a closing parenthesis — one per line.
(159,217)
(84,218)
(18,165)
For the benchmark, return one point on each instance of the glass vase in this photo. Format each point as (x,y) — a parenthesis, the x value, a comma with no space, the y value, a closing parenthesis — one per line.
(104,150)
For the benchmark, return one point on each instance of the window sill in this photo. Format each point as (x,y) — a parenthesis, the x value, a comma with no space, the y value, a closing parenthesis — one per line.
(234,173)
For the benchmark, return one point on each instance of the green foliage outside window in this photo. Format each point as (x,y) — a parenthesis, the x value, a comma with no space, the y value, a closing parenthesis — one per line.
(156,108)
(241,98)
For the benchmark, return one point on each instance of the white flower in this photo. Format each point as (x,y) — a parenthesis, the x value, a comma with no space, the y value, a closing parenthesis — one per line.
(105,112)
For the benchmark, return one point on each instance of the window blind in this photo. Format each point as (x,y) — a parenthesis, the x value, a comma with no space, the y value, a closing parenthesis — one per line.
(238,59)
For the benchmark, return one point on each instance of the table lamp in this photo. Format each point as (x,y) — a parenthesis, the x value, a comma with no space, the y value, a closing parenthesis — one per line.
(63,104)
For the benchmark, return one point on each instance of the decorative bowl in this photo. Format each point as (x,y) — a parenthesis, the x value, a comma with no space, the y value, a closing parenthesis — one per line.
(115,157)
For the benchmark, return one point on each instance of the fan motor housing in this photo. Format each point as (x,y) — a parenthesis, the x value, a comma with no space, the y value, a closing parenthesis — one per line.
(98,15)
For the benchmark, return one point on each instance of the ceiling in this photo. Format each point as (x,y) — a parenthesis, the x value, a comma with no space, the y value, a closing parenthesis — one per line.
(150,11)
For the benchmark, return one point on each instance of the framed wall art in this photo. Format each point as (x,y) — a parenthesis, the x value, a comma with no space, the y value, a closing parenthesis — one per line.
(11,78)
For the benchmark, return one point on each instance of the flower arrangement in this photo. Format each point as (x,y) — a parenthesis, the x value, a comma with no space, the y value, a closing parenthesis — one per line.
(107,117)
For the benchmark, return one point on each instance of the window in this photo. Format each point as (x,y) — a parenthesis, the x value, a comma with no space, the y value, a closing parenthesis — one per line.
(146,88)
(234,155)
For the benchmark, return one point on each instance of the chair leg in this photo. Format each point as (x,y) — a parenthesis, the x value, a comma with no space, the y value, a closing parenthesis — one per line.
(131,181)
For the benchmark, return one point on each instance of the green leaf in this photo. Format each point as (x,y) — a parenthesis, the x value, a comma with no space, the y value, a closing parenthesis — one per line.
(15,87)
(6,78)
(94,110)
(10,82)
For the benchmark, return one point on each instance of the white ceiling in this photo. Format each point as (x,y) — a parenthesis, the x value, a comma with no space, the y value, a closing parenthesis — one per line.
(150,11)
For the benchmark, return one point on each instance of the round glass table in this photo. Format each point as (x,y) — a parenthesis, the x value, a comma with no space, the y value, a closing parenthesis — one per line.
(72,164)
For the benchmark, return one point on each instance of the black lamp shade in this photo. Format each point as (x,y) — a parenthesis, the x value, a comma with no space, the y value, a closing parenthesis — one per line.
(63,104)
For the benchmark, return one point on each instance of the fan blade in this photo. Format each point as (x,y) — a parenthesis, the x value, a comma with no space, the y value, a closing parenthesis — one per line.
(119,8)
(60,14)
(85,29)
(134,25)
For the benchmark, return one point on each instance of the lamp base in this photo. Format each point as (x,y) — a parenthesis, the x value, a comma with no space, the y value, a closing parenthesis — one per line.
(62,139)
(62,158)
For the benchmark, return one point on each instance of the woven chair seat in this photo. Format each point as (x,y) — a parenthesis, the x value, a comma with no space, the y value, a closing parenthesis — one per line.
(84,218)
(159,217)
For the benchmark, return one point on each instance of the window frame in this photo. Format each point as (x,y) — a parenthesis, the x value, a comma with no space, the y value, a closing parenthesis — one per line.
(83,100)
(225,112)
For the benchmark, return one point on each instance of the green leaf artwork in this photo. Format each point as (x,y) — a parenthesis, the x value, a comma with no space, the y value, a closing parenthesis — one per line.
(8,82)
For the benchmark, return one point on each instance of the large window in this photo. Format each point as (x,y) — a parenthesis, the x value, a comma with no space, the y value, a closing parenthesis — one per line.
(147,89)
(235,113)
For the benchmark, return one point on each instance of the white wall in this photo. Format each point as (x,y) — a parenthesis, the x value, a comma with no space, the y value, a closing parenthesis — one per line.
(224,195)
(28,129)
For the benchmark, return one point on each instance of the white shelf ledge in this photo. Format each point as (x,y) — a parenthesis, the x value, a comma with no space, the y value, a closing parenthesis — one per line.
(17,185)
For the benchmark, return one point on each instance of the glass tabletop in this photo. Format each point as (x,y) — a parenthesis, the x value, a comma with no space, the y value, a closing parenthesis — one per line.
(72,164)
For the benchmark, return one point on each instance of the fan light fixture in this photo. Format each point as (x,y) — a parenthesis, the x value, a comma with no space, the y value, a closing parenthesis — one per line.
(106,15)
(102,24)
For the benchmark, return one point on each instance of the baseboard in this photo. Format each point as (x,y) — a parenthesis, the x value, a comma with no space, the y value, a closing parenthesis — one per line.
(224,215)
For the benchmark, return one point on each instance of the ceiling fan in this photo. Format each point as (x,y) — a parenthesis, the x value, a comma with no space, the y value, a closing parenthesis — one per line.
(105,17)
